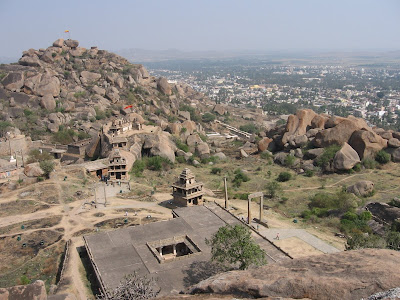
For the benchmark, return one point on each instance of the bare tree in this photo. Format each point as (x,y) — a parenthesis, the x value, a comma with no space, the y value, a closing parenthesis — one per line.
(132,287)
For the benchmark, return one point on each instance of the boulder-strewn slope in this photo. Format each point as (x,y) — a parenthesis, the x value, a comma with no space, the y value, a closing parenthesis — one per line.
(77,88)
(345,275)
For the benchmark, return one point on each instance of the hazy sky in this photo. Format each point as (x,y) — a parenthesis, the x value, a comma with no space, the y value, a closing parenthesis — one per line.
(202,24)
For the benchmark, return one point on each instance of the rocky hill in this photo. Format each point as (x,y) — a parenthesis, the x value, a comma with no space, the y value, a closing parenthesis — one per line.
(73,87)
(344,275)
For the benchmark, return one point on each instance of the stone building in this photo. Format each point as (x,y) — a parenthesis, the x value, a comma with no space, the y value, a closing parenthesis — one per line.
(117,167)
(119,126)
(186,191)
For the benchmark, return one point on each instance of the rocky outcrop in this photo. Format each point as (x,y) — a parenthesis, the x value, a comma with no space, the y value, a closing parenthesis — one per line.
(362,188)
(33,291)
(298,124)
(367,143)
(319,277)
(346,158)
(13,81)
(339,134)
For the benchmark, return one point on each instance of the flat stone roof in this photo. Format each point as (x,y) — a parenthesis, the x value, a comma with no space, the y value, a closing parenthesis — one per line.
(120,252)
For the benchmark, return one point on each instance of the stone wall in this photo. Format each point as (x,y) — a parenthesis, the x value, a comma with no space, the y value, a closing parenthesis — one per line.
(18,143)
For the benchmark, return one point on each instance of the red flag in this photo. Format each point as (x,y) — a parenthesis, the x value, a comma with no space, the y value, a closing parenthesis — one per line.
(129,106)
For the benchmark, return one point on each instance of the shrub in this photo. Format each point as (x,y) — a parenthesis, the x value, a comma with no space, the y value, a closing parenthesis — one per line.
(357,167)
(328,155)
(250,128)
(157,163)
(340,202)
(24,280)
(79,95)
(272,189)
(138,168)
(3,127)
(83,135)
(208,117)
(284,176)
(265,155)
(242,196)
(47,166)
(239,178)
(64,136)
(216,170)
(180,159)
(382,157)
(309,173)
(36,156)
(289,160)
(369,163)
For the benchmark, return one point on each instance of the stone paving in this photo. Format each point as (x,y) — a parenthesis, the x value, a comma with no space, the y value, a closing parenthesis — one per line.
(271,234)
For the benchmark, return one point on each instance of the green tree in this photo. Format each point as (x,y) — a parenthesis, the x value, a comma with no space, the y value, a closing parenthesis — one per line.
(272,189)
(284,176)
(208,117)
(233,245)
(47,166)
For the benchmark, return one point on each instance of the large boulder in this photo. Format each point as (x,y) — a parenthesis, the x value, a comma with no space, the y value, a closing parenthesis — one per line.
(263,144)
(315,277)
(71,43)
(175,128)
(395,153)
(394,143)
(346,158)
(47,85)
(48,102)
(90,76)
(163,86)
(367,143)
(280,158)
(160,144)
(29,61)
(314,153)
(203,150)
(362,188)
(33,170)
(190,126)
(318,122)
(193,140)
(298,124)
(13,81)
(58,43)
(339,134)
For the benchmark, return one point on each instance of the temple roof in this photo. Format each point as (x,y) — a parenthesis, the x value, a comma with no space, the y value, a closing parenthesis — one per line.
(186,174)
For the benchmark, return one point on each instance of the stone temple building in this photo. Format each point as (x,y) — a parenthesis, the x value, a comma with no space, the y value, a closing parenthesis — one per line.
(173,252)
(186,191)
(117,167)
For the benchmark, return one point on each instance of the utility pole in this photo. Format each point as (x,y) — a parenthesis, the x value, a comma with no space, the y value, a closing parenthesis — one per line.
(16,159)
(226,194)
(248,211)
(95,198)
(261,207)
(105,195)
(23,162)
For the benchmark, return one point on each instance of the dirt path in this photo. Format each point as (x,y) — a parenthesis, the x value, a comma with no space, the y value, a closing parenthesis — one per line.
(318,187)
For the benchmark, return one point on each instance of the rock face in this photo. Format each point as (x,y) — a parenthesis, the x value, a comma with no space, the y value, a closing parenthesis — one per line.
(13,81)
(71,43)
(33,291)
(297,124)
(361,188)
(367,143)
(318,277)
(159,144)
(48,102)
(346,158)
